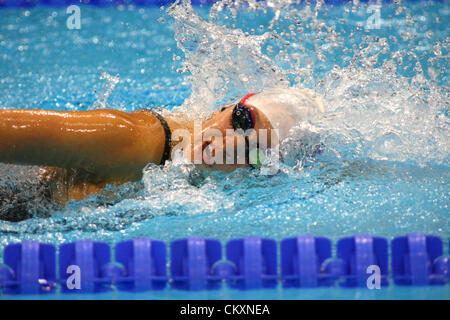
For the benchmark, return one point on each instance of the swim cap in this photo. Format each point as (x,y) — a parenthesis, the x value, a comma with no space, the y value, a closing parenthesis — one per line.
(286,107)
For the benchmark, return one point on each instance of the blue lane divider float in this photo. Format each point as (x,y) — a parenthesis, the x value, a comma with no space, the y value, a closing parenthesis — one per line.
(198,264)
(30,3)
(62,3)
(30,268)
(255,261)
(144,265)
(17,3)
(91,258)
(417,260)
(360,252)
(192,260)
(303,262)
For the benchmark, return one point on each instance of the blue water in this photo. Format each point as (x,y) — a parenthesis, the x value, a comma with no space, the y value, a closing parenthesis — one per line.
(384,171)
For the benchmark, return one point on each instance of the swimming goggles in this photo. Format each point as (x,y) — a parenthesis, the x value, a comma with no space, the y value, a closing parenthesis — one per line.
(243,118)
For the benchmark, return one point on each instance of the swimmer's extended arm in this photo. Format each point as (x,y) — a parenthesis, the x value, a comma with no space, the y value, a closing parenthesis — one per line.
(108,143)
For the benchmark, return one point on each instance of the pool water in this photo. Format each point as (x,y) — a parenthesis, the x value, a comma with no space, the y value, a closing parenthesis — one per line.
(385,167)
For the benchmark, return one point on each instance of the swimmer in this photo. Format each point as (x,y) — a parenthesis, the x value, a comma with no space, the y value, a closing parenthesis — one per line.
(80,152)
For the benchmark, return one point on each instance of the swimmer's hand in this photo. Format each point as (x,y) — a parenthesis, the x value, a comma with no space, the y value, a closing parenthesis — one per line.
(108,143)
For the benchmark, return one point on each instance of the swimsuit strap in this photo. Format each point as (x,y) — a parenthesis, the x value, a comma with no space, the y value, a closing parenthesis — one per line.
(168,134)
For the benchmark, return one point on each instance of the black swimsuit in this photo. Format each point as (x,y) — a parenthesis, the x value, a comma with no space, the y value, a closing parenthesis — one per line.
(168,140)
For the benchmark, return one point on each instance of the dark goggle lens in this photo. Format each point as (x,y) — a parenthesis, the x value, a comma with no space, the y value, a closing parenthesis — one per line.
(242,118)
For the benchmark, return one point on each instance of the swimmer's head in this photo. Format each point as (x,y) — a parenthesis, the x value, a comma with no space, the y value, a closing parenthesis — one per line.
(244,125)
(287,107)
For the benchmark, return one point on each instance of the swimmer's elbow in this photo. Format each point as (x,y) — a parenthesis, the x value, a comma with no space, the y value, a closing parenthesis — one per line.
(119,149)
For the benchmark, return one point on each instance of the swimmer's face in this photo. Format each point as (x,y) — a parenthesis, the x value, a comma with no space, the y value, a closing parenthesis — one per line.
(224,148)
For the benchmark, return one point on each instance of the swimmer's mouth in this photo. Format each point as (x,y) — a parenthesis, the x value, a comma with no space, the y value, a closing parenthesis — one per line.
(208,155)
